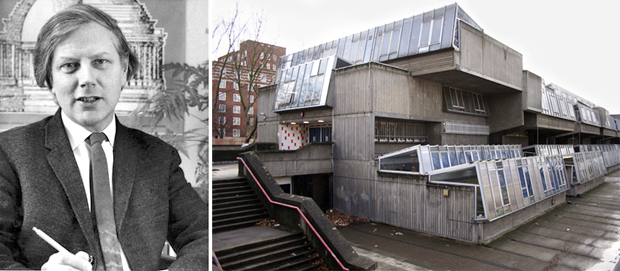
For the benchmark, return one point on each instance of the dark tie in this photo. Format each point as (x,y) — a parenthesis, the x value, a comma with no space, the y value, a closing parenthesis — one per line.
(103,204)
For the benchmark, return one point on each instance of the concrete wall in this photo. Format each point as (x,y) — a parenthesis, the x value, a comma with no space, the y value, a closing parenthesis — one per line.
(405,201)
(504,111)
(314,158)
(549,122)
(493,230)
(532,93)
(589,129)
(488,57)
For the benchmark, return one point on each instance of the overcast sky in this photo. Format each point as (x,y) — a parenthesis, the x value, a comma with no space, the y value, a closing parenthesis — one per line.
(572,44)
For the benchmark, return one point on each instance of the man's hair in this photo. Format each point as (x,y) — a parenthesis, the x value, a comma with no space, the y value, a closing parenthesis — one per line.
(61,25)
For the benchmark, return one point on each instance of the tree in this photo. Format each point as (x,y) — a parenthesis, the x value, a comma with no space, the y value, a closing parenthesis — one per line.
(246,67)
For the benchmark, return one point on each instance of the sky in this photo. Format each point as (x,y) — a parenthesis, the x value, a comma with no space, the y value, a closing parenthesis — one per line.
(569,43)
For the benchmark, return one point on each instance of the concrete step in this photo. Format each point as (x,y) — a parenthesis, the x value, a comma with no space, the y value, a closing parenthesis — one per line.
(236,206)
(240,213)
(232,193)
(236,225)
(291,252)
(222,206)
(233,198)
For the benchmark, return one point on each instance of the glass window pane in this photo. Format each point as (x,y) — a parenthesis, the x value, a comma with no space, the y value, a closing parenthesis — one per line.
(360,47)
(444,159)
(461,155)
(436,32)
(317,91)
(347,48)
(424,35)
(436,162)
(394,42)
(403,162)
(385,44)
(369,43)
(453,159)
(406,35)
(323,66)
(341,47)
(377,44)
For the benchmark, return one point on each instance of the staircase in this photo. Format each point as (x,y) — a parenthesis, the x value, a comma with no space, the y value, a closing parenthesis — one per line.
(288,252)
(235,205)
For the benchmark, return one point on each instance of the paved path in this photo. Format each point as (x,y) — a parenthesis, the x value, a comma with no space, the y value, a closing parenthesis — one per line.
(582,235)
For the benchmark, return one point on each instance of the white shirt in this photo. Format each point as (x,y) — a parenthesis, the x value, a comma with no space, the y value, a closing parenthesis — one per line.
(77,138)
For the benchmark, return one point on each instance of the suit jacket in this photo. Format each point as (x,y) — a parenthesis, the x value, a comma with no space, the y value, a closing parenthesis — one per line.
(40,186)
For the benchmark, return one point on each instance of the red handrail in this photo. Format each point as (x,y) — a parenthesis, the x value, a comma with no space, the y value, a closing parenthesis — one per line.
(298,210)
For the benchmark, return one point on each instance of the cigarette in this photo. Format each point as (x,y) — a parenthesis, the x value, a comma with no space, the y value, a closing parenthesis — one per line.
(50,241)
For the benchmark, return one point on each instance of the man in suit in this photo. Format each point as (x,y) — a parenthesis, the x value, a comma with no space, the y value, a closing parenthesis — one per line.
(46,172)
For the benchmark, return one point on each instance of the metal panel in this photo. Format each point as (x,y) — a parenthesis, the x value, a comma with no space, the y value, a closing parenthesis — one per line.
(516,198)
(487,194)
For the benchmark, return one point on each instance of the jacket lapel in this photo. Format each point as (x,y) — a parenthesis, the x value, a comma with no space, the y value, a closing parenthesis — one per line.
(126,153)
(62,162)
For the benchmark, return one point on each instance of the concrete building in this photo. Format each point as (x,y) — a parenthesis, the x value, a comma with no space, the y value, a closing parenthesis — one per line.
(255,63)
(431,84)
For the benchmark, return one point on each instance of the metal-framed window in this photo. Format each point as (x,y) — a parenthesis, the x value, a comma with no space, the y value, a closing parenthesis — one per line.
(236,109)
(236,121)
(461,101)
(222,96)
(236,97)
(236,133)
(221,108)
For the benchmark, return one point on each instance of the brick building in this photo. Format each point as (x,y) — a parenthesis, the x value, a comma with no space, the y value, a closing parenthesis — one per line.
(255,63)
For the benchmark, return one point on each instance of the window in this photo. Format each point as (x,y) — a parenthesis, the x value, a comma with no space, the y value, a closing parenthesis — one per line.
(251,111)
(236,97)
(221,108)
(236,86)
(251,98)
(222,120)
(251,122)
(236,133)
(222,96)
(262,55)
(407,161)
(526,181)
(275,58)
(430,33)
(393,130)
(236,109)
(502,201)
(461,101)
(236,121)
(263,78)
(268,66)
(456,96)
(478,103)
(222,83)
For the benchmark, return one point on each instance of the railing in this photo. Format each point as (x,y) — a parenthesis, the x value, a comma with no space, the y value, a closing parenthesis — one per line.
(298,210)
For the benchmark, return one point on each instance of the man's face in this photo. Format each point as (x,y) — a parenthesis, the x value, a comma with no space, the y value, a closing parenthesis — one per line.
(87,76)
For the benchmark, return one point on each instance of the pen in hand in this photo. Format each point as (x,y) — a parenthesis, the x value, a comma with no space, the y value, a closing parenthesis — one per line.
(49,240)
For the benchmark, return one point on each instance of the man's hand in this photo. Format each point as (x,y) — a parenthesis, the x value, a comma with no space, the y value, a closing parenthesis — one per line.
(66,261)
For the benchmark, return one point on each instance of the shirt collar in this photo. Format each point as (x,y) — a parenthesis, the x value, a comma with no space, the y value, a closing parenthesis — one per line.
(77,134)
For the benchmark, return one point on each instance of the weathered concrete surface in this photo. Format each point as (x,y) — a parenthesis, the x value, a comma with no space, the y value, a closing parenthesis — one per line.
(581,235)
